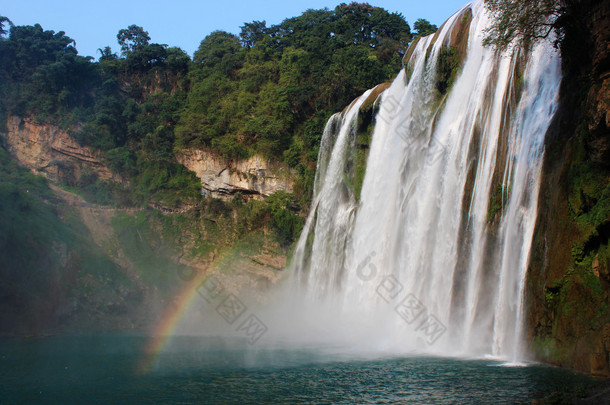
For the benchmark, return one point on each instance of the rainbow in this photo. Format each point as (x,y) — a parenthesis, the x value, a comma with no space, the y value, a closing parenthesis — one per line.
(165,328)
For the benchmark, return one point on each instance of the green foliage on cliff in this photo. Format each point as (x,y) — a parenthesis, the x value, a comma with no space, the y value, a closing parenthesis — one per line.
(449,65)
(269,90)
(272,89)
(497,201)
(365,127)
(42,75)
(589,214)
(287,225)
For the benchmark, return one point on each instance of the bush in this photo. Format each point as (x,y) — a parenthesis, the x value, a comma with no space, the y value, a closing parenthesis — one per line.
(284,220)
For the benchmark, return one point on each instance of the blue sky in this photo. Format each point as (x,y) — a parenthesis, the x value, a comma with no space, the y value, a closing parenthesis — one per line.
(182,23)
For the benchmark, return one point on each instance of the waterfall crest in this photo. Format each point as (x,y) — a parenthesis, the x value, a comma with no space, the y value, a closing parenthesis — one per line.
(433,255)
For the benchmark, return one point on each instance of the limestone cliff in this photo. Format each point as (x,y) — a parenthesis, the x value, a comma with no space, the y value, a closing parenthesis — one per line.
(223,178)
(51,151)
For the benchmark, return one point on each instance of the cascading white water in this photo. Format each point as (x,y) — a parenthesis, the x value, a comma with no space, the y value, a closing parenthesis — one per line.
(422,261)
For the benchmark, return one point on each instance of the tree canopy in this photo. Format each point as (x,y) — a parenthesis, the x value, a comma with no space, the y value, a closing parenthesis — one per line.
(268,90)
(42,73)
(132,38)
(3,21)
(423,27)
(256,92)
(529,20)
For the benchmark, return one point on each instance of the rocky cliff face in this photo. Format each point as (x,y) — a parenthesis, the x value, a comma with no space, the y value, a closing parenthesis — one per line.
(50,151)
(223,178)
(568,291)
(109,269)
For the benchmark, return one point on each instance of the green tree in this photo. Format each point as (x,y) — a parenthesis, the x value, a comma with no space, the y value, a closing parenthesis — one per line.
(286,223)
(177,60)
(29,47)
(423,27)
(361,23)
(132,38)
(107,54)
(220,51)
(252,32)
(523,20)
(4,32)
(43,75)
(146,57)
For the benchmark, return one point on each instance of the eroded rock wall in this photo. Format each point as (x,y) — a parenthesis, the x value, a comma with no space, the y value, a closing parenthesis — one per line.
(223,178)
(51,151)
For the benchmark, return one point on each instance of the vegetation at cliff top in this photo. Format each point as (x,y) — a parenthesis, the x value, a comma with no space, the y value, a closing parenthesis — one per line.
(269,91)
(532,20)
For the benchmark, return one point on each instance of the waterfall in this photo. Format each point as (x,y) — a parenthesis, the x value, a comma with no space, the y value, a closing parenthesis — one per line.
(433,255)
